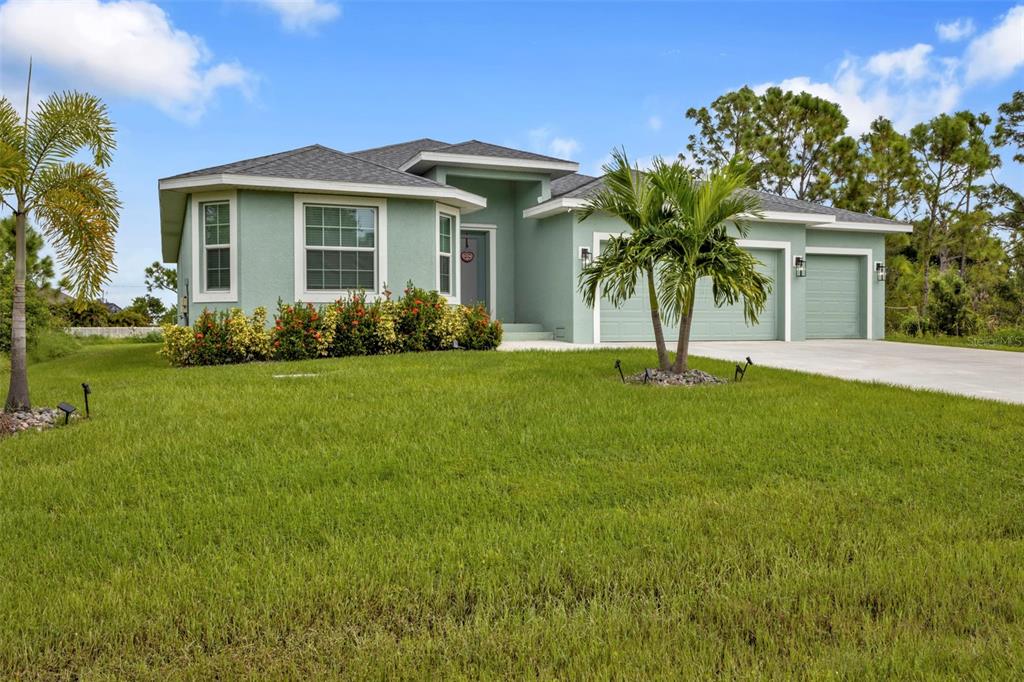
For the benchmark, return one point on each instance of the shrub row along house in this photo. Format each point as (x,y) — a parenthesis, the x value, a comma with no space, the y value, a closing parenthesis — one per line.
(483,223)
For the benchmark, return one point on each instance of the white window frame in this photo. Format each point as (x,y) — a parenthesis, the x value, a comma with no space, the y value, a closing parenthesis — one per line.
(380,248)
(200,294)
(455,283)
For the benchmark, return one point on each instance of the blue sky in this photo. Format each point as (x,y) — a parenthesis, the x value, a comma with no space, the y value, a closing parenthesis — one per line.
(192,84)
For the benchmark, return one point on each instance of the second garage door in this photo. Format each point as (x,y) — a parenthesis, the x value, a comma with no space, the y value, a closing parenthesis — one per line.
(835,297)
(632,320)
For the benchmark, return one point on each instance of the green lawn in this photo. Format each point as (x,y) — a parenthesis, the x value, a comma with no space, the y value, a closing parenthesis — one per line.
(506,515)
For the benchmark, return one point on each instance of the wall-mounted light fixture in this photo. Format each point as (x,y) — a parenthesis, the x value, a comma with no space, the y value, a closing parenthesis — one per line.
(880,271)
(586,256)
(799,266)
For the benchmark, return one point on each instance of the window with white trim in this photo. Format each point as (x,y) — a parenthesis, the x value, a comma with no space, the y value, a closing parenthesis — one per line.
(341,249)
(216,236)
(445,228)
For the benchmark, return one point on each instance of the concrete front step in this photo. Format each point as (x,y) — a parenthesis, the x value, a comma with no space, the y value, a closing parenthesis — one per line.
(526,336)
(516,327)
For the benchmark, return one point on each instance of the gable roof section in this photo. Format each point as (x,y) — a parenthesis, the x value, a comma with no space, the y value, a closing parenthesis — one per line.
(477,154)
(394,155)
(572,191)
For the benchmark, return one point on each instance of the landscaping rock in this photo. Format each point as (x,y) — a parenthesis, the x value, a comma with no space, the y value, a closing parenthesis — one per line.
(691,377)
(38,419)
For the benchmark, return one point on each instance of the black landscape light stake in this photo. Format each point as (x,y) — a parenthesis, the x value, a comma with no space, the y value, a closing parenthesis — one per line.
(741,371)
(647,374)
(618,366)
(67,409)
(86,390)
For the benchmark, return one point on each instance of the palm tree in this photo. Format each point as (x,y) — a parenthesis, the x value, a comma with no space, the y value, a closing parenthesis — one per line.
(629,195)
(695,243)
(74,203)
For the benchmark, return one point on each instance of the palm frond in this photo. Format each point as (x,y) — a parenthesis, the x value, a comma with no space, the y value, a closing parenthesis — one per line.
(65,123)
(78,212)
(12,161)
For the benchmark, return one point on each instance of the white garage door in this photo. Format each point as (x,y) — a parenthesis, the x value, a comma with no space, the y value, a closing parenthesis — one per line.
(835,297)
(632,320)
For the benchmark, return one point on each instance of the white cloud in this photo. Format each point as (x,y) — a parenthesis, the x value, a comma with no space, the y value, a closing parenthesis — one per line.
(996,54)
(303,15)
(654,123)
(956,30)
(911,63)
(543,140)
(564,147)
(914,84)
(128,47)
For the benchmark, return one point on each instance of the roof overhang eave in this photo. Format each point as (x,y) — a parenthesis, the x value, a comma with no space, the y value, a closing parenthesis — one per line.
(424,161)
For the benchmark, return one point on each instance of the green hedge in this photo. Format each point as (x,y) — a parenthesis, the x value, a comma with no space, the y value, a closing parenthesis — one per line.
(418,321)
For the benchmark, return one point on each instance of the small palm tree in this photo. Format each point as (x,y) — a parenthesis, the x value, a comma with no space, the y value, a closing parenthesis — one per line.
(695,243)
(74,203)
(629,195)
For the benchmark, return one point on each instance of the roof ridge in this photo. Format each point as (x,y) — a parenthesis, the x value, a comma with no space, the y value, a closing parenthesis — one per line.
(397,144)
(380,165)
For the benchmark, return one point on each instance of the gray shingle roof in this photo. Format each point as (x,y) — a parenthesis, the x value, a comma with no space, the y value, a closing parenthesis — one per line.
(394,155)
(478,148)
(570,183)
(317,162)
(579,186)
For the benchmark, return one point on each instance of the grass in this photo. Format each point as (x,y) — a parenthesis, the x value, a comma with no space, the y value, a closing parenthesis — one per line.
(983,342)
(506,515)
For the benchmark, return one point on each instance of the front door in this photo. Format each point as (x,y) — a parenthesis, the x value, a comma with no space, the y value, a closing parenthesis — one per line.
(475,260)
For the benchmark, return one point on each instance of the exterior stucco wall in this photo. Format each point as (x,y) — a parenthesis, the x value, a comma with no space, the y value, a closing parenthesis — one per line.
(798,238)
(412,245)
(266,250)
(545,273)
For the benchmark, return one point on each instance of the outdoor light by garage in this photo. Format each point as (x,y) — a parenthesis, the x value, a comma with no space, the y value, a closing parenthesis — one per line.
(586,257)
(880,271)
(799,266)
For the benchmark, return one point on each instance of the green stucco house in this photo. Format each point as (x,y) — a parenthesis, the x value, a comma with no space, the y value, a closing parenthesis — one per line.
(483,223)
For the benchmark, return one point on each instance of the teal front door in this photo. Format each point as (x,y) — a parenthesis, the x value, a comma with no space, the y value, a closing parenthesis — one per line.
(474,264)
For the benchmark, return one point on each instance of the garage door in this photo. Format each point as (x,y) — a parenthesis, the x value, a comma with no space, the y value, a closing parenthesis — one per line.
(632,320)
(835,297)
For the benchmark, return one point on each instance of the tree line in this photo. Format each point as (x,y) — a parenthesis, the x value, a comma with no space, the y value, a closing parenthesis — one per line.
(962,268)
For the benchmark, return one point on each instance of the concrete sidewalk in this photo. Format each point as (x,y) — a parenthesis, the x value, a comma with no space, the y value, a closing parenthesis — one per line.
(992,374)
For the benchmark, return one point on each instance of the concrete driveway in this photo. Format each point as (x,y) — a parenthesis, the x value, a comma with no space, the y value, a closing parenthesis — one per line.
(992,374)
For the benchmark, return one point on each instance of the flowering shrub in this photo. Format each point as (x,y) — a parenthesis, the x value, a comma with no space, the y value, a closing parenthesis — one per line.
(363,328)
(481,333)
(218,338)
(418,321)
(300,332)
(419,318)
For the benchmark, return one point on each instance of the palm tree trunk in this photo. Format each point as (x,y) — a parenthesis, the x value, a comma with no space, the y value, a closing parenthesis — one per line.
(682,362)
(17,394)
(659,333)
